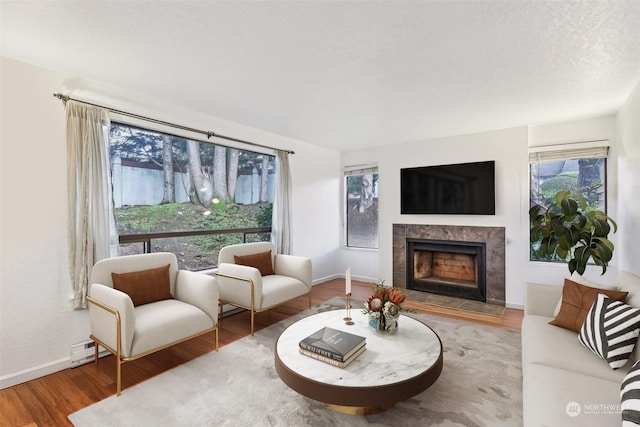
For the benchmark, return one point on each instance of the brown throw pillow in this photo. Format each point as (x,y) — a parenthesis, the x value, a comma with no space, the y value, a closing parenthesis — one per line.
(261,261)
(577,300)
(144,286)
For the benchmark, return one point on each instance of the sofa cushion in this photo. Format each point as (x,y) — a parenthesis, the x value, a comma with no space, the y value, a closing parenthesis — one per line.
(545,344)
(578,278)
(277,289)
(610,330)
(577,300)
(164,322)
(144,286)
(557,397)
(262,261)
(631,283)
(630,397)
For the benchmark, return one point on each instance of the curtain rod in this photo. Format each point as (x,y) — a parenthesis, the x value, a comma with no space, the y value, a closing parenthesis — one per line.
(209,134)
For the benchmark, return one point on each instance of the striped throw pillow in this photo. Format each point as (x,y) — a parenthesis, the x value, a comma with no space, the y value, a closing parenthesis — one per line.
(630,397)
(610,330)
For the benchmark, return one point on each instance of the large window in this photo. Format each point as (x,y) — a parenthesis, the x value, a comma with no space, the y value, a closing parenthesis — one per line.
(164,183)
(578,168)
(361,189)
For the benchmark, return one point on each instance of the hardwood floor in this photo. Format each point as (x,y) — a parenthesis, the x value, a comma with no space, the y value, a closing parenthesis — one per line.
(47,401)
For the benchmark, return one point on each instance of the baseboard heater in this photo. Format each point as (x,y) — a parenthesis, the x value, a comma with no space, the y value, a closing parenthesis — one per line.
(84,352)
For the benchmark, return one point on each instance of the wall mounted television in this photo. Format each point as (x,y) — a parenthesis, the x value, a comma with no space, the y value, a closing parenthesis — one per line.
(459,189)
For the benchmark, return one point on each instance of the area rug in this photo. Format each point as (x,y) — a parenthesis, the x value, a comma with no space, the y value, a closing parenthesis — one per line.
(480,385)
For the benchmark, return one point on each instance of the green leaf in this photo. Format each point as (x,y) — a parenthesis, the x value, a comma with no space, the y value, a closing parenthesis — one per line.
(534,214)
(564,244)
(607,242)
(535,233)
(582,221)
(580,268)
(572,235)
(548,246)
(573,264)
(601,250)
(561,195)
(601,227)
(562,252)
(585,236)
(569,207)
(582,254)
(582,200)
(557,225)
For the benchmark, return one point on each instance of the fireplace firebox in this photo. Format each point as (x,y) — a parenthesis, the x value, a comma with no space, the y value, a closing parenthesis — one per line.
(447,267)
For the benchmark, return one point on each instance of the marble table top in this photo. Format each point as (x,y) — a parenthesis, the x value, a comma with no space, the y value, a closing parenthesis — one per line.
(388,359)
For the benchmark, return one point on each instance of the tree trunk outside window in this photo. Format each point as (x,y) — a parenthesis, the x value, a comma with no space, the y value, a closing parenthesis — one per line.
(167,168)
(202,191)
(220,174)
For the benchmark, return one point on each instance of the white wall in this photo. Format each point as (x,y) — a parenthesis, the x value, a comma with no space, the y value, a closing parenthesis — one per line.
(628,126)
(37,322)
(509,150)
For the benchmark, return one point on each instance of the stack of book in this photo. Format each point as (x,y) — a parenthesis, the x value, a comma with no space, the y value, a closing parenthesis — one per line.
(332,346)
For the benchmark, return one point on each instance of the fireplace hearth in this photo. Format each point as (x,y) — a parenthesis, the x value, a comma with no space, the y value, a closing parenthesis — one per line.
(460,261)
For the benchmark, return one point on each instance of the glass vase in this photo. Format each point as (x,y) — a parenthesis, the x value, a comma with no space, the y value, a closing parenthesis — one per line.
(383,324)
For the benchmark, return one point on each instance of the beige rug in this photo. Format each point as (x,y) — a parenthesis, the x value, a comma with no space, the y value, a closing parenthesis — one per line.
(480,385)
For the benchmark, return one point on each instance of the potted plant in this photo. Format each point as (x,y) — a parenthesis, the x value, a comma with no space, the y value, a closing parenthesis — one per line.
(569,230)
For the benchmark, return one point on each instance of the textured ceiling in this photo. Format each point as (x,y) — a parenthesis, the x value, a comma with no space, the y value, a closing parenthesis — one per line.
(346,74)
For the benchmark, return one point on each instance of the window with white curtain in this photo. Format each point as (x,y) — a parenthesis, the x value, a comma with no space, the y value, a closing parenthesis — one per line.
(361,206)
(580,168)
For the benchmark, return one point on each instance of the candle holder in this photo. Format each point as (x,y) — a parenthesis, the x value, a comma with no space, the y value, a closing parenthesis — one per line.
(347,319)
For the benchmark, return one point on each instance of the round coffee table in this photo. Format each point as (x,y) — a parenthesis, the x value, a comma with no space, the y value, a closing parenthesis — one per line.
(392,368)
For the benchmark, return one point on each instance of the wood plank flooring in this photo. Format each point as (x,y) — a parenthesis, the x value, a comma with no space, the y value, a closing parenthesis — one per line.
(47,401)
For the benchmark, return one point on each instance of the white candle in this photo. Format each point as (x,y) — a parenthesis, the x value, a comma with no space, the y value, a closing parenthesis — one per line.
(348,280)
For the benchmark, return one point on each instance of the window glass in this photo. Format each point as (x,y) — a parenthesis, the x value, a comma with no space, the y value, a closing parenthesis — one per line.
(164,183)
(586,177)
(362,209)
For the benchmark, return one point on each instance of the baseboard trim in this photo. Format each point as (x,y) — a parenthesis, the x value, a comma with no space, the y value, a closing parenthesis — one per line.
(34,373)
(342,276)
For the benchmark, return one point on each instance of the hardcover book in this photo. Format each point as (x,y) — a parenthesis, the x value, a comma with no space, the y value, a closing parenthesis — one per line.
(332,361)
(332,343)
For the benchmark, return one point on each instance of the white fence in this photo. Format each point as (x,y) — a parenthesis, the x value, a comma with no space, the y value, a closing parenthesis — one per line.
(134,186)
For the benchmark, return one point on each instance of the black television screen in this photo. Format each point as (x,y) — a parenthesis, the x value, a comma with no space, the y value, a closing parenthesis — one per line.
(463,189)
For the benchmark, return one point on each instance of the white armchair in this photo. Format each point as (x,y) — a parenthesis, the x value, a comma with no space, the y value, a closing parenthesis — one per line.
(284,277)
(148,314)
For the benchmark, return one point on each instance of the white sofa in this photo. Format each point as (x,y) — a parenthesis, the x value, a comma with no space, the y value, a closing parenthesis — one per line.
(130,332)
(564,383)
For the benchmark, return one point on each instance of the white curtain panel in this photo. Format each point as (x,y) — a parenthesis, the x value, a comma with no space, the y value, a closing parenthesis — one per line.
(281,222)
(92,230)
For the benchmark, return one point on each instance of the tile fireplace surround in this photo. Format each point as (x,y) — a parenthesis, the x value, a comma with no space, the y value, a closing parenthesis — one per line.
(494,237)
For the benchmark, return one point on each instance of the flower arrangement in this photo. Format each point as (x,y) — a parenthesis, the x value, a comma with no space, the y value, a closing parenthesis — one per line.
(384,306)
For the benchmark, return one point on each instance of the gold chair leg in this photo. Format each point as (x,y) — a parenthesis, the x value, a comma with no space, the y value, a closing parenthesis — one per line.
(253,313)
(118,375)
(96,351)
